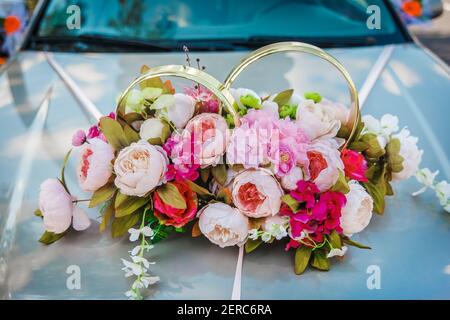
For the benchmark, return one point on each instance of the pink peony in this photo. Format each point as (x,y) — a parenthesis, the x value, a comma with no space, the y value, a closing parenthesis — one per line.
(355,165)
(58,209)
(171,216)
(94,167)
(205,100)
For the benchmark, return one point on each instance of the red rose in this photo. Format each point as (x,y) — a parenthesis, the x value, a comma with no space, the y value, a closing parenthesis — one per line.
(171,216)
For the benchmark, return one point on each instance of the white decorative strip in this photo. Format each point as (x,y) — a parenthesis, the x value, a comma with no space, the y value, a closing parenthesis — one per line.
(374,74)
(86,104)
(236,294)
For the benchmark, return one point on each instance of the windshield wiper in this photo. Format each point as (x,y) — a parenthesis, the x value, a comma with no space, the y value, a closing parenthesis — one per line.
(258,41)
(93,40)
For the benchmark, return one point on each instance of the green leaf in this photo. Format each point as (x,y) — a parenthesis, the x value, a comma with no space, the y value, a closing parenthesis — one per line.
(130,205)
(199,189)
(107,216)
(121,225)
(251,245)
(114,133)
(347,240)
(63,169)
(50,237)
(132,136)
(302,256)
(103,194)
(283,97)
(335,239)
(315,96)
(170,195)
(153,82)
(219,173)
(373,150)
(132,117)
(320,260)
(394,159)
(341,184)
(224,195)
(377,192)
(291,202)
(204,174)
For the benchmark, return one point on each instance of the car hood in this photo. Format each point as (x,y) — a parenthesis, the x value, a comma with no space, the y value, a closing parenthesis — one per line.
(408,242)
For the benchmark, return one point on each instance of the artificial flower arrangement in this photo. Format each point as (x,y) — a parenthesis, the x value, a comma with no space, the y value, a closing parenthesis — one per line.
(293,168)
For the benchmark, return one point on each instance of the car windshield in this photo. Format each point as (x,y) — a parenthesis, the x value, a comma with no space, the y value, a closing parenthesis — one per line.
(213,24)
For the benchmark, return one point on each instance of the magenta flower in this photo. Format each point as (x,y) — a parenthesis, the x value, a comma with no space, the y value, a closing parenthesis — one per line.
(355,165)
(78,138)
(204,99)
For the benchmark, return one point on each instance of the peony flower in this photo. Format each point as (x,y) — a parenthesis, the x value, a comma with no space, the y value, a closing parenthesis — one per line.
(355,165)
(321,120)
(209,137)
(289,181)
(411,154)
(223,225)
(58,209)
(204,99)
(139,168)
(171,216)
(284,158)
(324,163)
(182,110)
(78,138)
(94,165)
(154,129)
(357,212)
(256,193)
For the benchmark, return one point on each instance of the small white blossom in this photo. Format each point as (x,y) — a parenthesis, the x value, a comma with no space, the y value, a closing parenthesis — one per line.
(278,231)
(266,236)
(253,234)
(134,234)
(337,252)
(425,177)
(443,193)
(147,231)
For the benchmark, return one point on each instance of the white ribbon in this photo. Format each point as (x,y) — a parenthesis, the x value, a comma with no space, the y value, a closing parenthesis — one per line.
(236,294)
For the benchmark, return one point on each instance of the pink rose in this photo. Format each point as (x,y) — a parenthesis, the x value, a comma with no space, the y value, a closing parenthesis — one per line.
(355,165)
(94,166)
(58,209)
(256,193)
(209,136)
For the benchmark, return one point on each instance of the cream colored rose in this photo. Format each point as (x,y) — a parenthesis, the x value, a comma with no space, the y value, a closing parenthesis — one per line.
(209,133)
(223,225)
(411,154)
(94,165)
(321,120)
(257,193)
(357,212)
(289,181)
(139,168)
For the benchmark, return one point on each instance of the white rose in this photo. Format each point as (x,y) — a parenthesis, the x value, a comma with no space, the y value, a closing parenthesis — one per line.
(357,212)
(140,168)
(321,120)
(182,111)
(154,129)
(289,181)
(58,210)
(223,225)
(324,163)
(257,193)
(411,154)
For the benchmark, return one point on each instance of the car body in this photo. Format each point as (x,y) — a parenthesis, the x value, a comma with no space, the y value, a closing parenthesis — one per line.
(409,243)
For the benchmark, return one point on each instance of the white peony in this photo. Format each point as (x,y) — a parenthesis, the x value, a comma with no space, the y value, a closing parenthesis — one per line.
(257,193)
(182,111)
(223,225)
(357,212)
(289,181)
(321,120)
(411,154)
(94,165)
(140,168)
